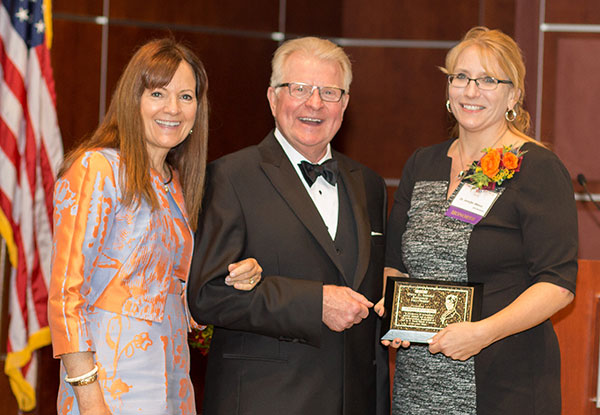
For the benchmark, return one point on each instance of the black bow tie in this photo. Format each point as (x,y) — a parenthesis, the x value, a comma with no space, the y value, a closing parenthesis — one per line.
(328,169)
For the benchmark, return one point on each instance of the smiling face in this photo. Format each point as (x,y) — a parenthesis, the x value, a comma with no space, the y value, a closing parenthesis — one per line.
(474,109)
(168,113)
(308,124)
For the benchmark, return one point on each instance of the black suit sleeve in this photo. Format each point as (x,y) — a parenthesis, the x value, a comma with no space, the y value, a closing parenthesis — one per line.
(280,307)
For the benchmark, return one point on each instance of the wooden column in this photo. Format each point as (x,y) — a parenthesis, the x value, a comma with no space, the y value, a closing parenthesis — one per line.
(9,403)
(578,334)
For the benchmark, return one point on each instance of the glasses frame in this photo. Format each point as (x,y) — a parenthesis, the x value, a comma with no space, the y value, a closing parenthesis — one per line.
(312,90)
(476,80)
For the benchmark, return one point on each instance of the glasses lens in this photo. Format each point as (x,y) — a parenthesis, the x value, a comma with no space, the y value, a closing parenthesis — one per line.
(330,94)
(458,81)
(487,83)
(299,90)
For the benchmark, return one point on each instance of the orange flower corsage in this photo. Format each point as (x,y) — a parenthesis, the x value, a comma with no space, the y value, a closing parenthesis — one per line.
(496,166)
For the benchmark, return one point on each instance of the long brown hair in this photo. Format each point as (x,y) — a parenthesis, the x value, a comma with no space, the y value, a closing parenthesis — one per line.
(152,66)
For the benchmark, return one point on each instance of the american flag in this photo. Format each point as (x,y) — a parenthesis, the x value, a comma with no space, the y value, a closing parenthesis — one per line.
(30,152)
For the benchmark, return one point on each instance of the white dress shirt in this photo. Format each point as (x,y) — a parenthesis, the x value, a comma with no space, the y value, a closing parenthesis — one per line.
(324,195)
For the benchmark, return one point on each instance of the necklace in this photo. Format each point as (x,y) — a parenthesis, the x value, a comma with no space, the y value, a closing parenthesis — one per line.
(462,173)
(166,184)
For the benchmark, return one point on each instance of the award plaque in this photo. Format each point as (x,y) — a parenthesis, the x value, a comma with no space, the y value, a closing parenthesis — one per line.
(416,309)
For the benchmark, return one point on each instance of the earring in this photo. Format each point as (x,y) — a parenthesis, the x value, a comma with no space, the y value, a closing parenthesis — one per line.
(448,106)
(510,115)
(191,131)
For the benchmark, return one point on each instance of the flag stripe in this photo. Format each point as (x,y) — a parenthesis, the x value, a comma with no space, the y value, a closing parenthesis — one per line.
(10,152)
(10,110)
(46,71)
(14,81)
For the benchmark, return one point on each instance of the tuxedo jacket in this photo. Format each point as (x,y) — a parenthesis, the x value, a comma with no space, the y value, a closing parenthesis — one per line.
(271,352)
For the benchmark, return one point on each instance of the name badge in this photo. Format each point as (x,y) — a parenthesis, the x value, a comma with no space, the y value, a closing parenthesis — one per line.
(471,204)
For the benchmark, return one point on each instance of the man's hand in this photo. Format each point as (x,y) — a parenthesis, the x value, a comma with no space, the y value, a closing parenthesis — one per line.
(343,307)
(244,275)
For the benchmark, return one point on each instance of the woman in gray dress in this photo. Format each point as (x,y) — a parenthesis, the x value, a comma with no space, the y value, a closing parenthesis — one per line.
(524,250)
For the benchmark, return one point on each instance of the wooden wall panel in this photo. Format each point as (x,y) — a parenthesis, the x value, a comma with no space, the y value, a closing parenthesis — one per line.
(500,14)
(573,12)
(9,403)
(408,19)
(259,15)
(548,87)
(48,382)
(76,66)
(80,7)
(239,72)
(575,126)
(527,34)
(589,227)
(314,17)
(568,119)
(397,103)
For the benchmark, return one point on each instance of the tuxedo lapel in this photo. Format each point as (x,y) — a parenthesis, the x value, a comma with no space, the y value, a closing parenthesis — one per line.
(287,183)
(355,186)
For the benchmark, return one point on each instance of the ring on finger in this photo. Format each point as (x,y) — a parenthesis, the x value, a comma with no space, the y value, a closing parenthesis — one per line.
(251,280)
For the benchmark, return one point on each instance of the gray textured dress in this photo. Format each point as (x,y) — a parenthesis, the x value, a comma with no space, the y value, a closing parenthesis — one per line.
(441,384)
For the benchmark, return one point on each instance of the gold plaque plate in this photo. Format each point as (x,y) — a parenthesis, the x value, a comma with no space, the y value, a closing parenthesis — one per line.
(416,309)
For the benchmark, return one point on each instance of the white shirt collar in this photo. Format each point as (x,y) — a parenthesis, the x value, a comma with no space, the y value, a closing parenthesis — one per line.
(293,154)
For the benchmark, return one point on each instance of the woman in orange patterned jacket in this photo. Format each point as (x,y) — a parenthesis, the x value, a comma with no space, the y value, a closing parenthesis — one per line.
(125,207)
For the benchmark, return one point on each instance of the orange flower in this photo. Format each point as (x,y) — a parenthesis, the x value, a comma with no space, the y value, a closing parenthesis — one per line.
(142,341)
(510,160)
(490,163)
(118,388)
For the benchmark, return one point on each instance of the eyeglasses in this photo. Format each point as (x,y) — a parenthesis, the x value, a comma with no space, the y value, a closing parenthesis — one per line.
(485,83)
(304,91)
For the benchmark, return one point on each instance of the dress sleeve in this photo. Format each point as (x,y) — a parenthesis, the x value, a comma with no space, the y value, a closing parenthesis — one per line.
(84,204)
(548,218)
(399,216)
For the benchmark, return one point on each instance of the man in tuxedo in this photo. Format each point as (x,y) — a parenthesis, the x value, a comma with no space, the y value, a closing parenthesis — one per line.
(305,340)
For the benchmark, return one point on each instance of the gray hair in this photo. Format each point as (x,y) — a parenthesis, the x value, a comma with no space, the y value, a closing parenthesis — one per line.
(312,46)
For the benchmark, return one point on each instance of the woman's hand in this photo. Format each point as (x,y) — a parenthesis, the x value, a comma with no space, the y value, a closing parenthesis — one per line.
(244,275)
(380,308)
(396,343)
(460,341)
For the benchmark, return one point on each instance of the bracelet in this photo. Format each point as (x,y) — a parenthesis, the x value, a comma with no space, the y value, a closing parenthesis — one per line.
(84,379)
